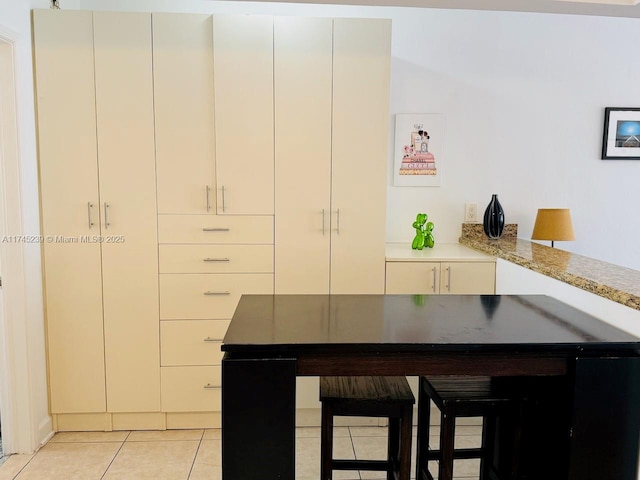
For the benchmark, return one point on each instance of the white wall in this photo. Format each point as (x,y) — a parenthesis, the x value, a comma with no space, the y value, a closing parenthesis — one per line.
(30,422)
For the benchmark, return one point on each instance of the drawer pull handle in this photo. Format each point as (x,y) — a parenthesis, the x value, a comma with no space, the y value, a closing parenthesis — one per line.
(216,229)
(216,260)
(208,386)
(217,293)
(209,339)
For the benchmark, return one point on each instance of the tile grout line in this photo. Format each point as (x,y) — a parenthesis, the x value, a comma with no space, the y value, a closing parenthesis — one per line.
(115,456)
(193,464)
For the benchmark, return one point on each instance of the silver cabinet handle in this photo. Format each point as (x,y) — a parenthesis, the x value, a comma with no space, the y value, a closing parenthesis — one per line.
(216,259)
(449,279)
(89,207)
(208,386)
(434,280)
(216,229)
(209,339)
(323,221)
(208,198)
(211,294)
(224,206)
(338,221)
(106,215)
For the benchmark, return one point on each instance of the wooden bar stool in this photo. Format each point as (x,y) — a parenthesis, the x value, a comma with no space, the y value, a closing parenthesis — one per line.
(462,396)
(389,397)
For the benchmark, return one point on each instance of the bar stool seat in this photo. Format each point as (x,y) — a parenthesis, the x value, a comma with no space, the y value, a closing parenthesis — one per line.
(363,396)
(467,396)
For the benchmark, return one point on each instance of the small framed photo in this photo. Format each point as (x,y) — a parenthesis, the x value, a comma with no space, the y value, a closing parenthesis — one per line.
(418,158)
(621,138)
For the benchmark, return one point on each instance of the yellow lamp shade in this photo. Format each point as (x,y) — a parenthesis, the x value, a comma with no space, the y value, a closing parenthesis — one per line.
(553,224)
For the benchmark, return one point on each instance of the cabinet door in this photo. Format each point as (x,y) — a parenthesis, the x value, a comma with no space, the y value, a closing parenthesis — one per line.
(243,79)
(303,153)
(63,48)
(412,277)
(183,94)
(124,102)
(468,278)
(361,66)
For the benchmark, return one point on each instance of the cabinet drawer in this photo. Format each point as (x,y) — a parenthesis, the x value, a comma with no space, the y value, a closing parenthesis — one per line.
(208,296)
(191,389)
(216,259)
(251,229)
(191,342)
(412,277)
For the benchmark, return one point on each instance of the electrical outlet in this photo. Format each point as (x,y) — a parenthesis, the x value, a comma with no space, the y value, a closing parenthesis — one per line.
(471,212)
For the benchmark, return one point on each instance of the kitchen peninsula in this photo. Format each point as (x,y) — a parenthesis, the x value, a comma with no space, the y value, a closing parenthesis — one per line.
(613,282)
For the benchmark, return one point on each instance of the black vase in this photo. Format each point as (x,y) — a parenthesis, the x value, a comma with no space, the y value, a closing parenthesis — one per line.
(493,218)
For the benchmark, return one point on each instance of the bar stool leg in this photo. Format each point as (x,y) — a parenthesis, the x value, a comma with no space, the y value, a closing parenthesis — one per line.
(393,447)
(326,444)
(488,439)
(424,420)
(405,442)
(447,437)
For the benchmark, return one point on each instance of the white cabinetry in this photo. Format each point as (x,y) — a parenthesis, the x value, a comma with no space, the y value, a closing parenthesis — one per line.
(332,95)
(445,269)
(168,131)
(97,167)
(206,264)
(243,80)
(184,116)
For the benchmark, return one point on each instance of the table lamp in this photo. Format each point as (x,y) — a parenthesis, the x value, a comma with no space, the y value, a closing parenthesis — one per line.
(553,224)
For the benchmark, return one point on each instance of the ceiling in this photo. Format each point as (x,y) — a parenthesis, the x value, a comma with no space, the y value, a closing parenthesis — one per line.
(607,8)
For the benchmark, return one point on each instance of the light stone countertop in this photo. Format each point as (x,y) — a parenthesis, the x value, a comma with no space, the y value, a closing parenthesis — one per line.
(620,284)
(441,252)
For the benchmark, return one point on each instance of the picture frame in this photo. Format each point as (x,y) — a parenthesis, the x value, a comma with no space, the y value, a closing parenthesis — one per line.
(418,150)
(621,136)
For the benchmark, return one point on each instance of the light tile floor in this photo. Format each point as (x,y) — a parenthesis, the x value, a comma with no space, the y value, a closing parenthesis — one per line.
(196,455)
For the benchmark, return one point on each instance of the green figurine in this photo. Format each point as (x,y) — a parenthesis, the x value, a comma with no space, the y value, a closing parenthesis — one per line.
(424,235)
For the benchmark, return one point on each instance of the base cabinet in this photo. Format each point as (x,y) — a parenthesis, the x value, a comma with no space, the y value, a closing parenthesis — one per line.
(440,278)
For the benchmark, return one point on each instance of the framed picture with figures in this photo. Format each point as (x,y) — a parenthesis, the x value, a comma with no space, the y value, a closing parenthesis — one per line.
(418,159)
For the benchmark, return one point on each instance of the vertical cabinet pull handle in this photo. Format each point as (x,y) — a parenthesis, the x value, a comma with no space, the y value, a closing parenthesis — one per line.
(224,203)
(433,287)
(448,279)
(323,221)
(208,198)
(106,215)
(338,221)
(89,207)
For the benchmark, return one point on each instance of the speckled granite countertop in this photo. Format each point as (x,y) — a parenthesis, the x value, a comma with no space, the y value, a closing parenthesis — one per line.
(613,282)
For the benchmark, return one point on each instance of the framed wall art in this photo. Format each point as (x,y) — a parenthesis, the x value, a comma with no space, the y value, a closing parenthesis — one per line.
(418,157)
(621,138)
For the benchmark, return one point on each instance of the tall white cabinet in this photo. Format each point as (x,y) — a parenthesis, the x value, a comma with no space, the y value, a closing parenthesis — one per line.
(97,164)
(332,109)
(211,156)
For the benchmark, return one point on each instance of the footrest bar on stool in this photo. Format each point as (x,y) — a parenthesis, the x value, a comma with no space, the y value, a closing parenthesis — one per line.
(375,465)
(459,454)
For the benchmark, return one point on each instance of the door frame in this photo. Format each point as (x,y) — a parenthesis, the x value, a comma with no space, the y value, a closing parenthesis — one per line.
(19,394)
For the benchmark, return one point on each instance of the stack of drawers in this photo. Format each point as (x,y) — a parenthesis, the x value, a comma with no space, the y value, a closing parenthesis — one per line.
(206,263)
